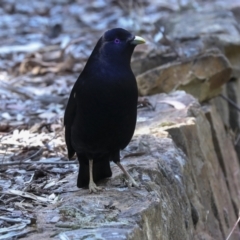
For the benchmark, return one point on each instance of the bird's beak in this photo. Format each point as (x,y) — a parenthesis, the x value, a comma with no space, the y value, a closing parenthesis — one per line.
(138,40)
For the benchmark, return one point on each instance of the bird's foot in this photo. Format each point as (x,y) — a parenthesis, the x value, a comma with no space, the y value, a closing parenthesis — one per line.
(93,188)
(131,182)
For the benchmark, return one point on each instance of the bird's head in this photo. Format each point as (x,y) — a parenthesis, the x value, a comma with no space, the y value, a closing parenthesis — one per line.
(118,44)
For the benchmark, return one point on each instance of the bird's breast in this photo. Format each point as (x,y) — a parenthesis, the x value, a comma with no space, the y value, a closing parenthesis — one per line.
(109,91)
(106,111)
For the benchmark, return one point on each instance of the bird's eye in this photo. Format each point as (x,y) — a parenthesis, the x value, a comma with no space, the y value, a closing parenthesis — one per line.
(116,40)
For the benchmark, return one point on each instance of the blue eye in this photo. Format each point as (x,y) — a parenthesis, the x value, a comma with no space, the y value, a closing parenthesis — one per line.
(116,40)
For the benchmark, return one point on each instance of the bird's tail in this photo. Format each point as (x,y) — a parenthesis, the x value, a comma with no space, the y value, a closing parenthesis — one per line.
(101,170)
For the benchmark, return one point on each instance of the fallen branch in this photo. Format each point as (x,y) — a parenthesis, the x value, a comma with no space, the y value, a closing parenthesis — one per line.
(27,195)
(38,163)
(235,225)
(18,90)
(230,101)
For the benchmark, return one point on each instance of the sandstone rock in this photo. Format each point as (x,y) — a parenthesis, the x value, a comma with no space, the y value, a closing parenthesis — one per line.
(227,157)
(206,194)
(211,41)
(228,109)
(233,89)
(232,52)
(222,106)
(202,77)
(142,65)
(219,23)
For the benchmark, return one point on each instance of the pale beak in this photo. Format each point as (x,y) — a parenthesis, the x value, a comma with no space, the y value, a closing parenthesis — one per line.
(138,40)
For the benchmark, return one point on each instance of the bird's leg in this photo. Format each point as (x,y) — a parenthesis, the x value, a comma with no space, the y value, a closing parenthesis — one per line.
(131,181)
(92,186)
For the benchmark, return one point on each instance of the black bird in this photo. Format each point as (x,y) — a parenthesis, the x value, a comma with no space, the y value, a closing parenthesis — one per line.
(101,113)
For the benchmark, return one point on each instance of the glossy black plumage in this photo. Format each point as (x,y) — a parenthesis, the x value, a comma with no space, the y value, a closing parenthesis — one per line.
(100,117)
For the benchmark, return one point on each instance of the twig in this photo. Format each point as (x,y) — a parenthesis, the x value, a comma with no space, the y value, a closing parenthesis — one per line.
(144,103)
(236,141)
(38,152)
(8,133)
(230,101)
(30,180)
(57,134)
(80,39)
(4,155)
(18,90)
(14,220)
(38,163)
(236,223)
(134,154)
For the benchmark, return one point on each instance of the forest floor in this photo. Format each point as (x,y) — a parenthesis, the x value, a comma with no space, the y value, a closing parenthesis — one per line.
(43,48)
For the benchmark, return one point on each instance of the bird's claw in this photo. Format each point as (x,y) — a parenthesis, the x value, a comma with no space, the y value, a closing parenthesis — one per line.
(93,188)
(132,183)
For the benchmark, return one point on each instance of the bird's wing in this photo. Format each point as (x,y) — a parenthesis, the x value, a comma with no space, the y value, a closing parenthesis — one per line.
(68,122)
